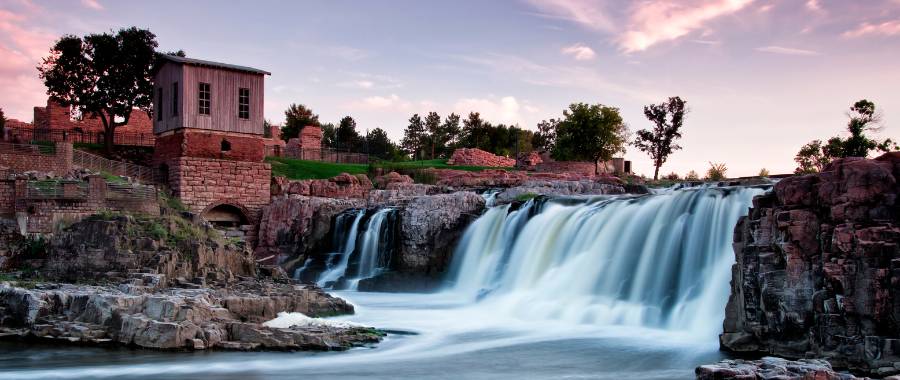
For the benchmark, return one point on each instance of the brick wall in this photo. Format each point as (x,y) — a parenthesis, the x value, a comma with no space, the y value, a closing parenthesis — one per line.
(57,117)
(203,183)
(208,144)
(23,158)
(41,215)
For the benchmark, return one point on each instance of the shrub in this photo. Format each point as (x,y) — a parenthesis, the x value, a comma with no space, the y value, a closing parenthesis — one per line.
(764,173)
(692,176)
(672,177)
(716,171)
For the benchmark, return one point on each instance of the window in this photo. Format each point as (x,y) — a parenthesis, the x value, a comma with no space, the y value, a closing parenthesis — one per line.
(159,104)
(203,97)
(226,146)
(244,103)
(175,99)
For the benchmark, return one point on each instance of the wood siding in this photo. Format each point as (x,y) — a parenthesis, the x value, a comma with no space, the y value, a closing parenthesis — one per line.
(168,74)
(224,85)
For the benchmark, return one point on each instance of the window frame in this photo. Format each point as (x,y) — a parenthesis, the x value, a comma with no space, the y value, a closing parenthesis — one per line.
(204,101)
(243,103)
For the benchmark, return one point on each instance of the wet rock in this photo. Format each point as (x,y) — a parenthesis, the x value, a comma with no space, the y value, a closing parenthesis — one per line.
(560,188)
(430,228)
(770,368)
(817,270)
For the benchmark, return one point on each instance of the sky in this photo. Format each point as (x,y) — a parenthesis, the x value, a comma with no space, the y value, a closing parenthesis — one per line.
(760,77)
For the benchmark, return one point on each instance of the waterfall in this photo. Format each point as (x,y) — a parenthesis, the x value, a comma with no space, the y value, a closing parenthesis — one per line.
(363,246)
(660,260)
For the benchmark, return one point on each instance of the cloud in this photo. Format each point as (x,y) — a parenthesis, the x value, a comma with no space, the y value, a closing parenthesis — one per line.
(580,52)
(653,22)
(587,13)
(887,28)
(22,46)
(786,51)
(814,6)
(93,4)
(506,110)
(366,81)
(347,53)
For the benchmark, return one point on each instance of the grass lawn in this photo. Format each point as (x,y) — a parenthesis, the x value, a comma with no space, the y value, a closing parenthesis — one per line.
(303,169)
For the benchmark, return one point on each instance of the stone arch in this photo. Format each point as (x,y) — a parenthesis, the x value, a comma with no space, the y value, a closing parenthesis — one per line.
(226,214)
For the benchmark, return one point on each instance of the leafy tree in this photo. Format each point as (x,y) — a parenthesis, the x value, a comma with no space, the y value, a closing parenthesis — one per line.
(764,173)
(267,129)
(449,136)
(811,158)
(329,135)
(433,133)
(473,131)
(346,135)
(545,138)
(296,117)
(414,136)
(590,133)
(672,176)
(667,118)
(103,75)
(380,145)
(692,176)
(716,171)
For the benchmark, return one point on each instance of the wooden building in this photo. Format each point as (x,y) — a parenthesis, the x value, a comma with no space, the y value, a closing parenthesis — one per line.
(208,122)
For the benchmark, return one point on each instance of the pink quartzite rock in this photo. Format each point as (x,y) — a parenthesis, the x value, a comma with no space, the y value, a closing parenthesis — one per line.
(478,157)
(817,270)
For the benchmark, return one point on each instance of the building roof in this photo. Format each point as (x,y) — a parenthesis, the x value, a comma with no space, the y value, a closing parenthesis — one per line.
(219,65)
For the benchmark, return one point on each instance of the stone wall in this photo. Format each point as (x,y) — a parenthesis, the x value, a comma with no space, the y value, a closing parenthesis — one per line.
(57,117)
(204,183)
(478,157)
(818,267)
(580,167)
(208,144)
(23,158)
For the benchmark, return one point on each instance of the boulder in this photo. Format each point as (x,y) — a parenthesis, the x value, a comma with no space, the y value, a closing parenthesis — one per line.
(431,226)
(478,157)
(770,368)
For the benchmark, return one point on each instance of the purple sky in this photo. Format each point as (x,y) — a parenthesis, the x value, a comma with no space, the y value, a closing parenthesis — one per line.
(761,77)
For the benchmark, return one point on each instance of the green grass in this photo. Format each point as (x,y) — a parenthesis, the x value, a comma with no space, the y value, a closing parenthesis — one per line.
(303,169)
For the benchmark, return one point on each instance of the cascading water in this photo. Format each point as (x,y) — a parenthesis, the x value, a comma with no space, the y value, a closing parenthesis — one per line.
(660,260)
(363,242)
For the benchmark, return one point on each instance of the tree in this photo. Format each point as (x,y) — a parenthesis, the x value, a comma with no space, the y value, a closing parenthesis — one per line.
(329,135)
(811,158)
(103,75)
(296,117)
(764,173)
(347,136)
(380,145)
(667,118)
(692,176)
(449,137)
(545,138)
(590,133)
(472,131)
(413,137)
(267,129)
(716,171)
(433,133)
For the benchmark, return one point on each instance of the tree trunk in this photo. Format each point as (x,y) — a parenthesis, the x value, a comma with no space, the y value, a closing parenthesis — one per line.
(656,173)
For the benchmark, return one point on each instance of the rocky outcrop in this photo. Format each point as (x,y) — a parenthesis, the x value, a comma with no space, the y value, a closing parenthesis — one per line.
(478,157)
(430,228)
(292,226)
(341,186)
(457,179)
(392,179)
(817,270)
(109,249)
(559,188)
(143,315)
(770,368)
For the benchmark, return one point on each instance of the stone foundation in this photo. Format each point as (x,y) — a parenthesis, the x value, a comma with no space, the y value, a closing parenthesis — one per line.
(203,184)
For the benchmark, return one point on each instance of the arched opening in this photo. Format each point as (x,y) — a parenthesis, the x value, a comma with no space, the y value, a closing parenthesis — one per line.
(226,146)
(226,216)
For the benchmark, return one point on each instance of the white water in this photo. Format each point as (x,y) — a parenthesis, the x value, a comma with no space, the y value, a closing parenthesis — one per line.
(334,272)
(371,260)
(659,261)
(613,288)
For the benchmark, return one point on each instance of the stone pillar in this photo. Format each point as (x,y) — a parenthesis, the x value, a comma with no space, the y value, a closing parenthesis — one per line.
(64,152)
(96,190)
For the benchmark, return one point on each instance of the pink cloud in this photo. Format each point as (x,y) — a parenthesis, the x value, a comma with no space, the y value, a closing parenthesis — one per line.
(580,52)
(93,4)
(22,46)
(887,28)
(588,13)
(653,22)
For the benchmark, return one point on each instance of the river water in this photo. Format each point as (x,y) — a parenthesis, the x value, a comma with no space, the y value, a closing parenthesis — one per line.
(603,288)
